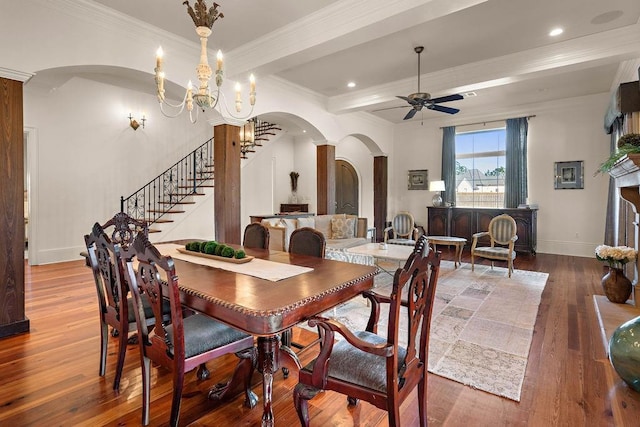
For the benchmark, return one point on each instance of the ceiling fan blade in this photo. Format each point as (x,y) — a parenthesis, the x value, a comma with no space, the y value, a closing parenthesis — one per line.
(443,109)
(448,98)
(409,100)
(410,114)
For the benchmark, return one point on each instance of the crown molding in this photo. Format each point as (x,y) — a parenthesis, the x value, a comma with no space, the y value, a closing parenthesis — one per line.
(20,76)
(580,53)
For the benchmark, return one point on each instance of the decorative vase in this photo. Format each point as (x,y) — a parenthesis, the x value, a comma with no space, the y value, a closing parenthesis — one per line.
(617,287)
(624,352)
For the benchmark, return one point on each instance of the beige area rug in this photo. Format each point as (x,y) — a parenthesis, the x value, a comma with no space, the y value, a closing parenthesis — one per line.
(481,328)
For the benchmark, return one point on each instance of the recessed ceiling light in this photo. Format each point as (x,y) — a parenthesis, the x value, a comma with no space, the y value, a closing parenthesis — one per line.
(351,84)
(304,131)
(469,94)
(556,32)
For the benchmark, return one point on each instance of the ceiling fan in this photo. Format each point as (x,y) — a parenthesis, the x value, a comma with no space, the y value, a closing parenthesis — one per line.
(419,99)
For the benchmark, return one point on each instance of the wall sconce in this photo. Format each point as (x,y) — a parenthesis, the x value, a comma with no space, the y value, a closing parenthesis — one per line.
(134,123)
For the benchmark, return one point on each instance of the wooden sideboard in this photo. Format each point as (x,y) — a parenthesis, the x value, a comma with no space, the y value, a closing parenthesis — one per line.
(464,222)
(294,207)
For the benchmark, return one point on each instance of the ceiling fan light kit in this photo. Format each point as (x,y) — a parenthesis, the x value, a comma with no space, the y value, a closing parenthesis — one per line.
(421,100)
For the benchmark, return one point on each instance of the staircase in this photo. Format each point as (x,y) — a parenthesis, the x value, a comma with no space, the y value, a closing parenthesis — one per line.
(181,184)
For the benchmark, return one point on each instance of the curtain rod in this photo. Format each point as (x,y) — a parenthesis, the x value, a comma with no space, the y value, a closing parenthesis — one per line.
(485,122)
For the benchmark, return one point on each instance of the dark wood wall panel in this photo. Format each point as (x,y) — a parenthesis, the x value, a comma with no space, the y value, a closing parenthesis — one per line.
(226,161)
(326,179)
(380,174)
(12,314)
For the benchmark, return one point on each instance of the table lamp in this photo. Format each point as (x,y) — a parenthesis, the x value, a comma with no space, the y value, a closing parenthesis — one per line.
(439,187)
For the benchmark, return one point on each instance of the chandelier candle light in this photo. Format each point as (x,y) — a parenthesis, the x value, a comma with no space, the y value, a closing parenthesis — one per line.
(204,20)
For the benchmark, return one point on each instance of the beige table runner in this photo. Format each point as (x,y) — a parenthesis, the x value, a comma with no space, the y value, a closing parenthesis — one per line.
(260,268)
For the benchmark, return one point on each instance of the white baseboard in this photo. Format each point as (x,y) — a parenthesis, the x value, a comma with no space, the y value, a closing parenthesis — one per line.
(51,256)
(559,247)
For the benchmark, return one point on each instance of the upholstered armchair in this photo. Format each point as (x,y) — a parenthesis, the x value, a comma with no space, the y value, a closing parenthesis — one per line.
(403,230)
(502,234)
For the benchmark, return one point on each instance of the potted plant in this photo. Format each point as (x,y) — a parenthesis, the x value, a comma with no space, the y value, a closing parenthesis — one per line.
(627,144)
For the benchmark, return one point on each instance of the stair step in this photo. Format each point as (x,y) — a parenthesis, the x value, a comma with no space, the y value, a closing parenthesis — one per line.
(199,186)
(177,203)
(154,230)
(169,212)
(159,221)
(200,179)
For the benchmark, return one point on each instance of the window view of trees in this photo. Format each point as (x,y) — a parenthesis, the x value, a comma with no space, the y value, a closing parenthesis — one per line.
(480,168)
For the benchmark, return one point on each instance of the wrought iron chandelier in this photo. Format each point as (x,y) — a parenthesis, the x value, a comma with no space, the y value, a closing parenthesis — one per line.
(204,19)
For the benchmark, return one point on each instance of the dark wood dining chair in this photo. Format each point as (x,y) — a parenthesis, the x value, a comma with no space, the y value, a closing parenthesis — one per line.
(370,367)
(307,241)
(256,236)
(184,343)
(114,305)
(311,242)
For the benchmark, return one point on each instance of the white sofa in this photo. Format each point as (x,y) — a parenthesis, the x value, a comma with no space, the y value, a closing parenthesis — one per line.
(340,231)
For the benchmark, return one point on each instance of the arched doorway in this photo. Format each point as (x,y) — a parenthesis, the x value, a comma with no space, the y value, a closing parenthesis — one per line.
(347,185)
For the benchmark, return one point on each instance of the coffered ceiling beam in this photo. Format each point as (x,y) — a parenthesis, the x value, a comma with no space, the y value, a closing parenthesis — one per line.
(581,53)
(342,25)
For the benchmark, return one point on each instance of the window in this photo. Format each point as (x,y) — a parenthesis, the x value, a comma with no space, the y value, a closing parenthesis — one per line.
(480,168)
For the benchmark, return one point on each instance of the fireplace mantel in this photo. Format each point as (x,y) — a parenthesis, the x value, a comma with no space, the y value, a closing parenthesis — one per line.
(626,173)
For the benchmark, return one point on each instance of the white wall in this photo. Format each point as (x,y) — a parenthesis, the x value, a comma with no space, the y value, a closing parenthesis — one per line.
(88,157)
(570,222)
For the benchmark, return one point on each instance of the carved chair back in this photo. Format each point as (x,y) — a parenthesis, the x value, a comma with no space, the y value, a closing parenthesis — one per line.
(367,366)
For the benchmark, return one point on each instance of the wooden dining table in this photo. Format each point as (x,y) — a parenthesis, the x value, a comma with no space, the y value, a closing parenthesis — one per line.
(266,308)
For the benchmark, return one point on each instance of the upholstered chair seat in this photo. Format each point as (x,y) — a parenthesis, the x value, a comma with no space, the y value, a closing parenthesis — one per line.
(355,366)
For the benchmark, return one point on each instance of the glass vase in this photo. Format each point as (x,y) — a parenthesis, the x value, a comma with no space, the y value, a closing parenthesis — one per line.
(616,286)
(624,352)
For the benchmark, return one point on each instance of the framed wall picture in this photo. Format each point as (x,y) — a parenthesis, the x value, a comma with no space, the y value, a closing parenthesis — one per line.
(418,179)
(569,175)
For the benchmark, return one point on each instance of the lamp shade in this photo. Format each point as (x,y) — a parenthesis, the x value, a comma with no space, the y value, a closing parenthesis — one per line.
(436,186)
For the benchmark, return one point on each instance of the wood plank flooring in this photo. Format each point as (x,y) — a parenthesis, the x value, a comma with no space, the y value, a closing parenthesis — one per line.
(49,377)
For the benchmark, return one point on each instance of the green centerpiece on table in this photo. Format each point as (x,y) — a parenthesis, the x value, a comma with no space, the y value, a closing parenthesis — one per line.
(212,247)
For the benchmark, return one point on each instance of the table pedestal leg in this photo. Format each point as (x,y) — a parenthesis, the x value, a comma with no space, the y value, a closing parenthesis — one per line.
(269,358)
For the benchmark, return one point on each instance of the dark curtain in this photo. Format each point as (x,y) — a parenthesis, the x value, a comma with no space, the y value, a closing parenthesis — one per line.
(515,185)
(449,163)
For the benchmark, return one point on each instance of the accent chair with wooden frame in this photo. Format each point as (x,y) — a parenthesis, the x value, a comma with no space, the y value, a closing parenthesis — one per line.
(367,366)
(183,343)
(502,232)
(402,231)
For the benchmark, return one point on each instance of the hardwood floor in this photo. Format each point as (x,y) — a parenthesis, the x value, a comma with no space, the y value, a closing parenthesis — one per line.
(50,376)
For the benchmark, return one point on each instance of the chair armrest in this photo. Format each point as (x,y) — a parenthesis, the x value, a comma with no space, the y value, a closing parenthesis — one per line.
(386,233)
(384,350)
(481,234)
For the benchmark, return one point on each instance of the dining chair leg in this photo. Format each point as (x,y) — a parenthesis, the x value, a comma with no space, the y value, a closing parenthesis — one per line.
(178,383)
(286,339)
(104,340)
(122,349)
(422,401)
(146,388)
(301,395)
